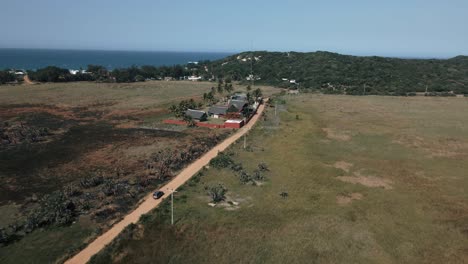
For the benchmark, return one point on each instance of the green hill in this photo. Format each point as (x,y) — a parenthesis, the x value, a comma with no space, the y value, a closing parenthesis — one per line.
(336,73)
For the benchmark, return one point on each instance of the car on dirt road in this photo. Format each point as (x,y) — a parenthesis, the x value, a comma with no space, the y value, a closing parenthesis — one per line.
(158,194)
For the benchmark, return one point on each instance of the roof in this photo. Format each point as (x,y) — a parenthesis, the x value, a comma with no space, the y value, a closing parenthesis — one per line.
(218,110)
(234,121)
(195,114)
(239,96)
(239,104)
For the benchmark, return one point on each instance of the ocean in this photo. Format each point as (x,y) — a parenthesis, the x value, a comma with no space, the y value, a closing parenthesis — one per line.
(31,59)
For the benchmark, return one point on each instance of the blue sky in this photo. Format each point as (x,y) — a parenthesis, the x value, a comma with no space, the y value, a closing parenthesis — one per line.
(405,28)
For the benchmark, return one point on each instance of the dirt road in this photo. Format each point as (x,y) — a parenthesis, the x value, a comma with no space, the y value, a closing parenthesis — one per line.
(149,203)
(27,80)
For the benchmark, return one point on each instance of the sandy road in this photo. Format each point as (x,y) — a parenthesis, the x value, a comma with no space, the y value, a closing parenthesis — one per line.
(27,80)
(149,203)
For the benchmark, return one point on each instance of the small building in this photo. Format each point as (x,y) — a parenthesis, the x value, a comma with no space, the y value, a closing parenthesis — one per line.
(168,78)
(197,114)
(194,78)
(234,123)
(239,96)
(217,111)
(236,106)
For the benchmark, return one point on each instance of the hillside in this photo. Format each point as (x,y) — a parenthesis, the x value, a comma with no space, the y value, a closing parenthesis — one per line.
(336,73)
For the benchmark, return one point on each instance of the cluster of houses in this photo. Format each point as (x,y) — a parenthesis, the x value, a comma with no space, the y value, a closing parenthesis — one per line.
(18,72)
(75,72)
(233,111)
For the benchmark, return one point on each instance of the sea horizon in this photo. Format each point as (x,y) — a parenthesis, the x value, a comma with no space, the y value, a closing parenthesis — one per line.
(35,58)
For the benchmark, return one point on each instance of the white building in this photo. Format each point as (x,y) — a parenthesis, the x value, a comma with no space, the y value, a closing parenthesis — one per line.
(194,78)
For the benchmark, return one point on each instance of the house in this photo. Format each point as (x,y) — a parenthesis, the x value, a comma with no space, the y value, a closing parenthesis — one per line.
(239,96)
(234,123)
(196,114)
(236,106)
(74,72)
(217,111)
(194,78)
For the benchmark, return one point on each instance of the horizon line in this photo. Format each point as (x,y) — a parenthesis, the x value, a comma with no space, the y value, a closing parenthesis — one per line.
(356,54)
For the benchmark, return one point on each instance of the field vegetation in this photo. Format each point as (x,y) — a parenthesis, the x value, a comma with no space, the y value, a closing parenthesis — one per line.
(76,157)
(330,179)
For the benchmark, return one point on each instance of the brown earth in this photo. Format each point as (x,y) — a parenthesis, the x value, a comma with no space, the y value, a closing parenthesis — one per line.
(148,203)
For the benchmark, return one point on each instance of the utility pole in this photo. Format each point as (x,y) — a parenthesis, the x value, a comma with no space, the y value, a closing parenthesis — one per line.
(172,204)
(245,141)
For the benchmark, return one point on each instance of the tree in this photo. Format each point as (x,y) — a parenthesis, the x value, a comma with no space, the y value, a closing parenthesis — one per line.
(96,69)
(249,88)
(189,120)
(6,76)
(220,89)
(229,88)
(216,192)
(257,93)
(139,78)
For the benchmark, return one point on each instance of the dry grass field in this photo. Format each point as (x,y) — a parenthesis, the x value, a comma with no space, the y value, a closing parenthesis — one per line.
(91,142)
(368,180)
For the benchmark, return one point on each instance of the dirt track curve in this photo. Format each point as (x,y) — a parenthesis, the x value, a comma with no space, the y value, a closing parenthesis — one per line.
(149,203)
(27,80)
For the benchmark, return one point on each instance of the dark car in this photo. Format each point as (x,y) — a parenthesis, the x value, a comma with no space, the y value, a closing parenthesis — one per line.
(158,194)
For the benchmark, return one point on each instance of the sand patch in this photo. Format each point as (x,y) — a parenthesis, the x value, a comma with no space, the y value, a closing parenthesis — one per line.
(369,181)
(348,198)
(438,148)
(343,165)
(335,135)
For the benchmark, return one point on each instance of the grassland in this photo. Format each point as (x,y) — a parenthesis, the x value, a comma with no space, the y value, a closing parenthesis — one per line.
(369,180)
(56,135)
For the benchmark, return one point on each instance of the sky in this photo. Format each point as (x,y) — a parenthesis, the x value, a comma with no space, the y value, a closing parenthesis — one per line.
(399,28)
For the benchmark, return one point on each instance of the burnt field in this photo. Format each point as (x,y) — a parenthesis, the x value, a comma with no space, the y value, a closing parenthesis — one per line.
(72,164)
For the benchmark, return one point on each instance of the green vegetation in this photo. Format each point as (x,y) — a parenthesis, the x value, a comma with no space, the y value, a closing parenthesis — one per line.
(221,161)
(216,192)
(335,73)
(353,180)
(56,74)
(122,75)
(180,109)
(6,77)
(321,71)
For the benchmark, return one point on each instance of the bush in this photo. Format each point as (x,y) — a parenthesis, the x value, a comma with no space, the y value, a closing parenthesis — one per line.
(258,176)
(245,178)
(263,166)
(221,161)
(236,167)
(89,182)
(216,192)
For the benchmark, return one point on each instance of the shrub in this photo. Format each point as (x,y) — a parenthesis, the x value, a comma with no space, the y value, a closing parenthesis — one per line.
(258,176)
(221,161)
(236,167)
(245,178)
(216,192)
(89,182)
(263,166)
